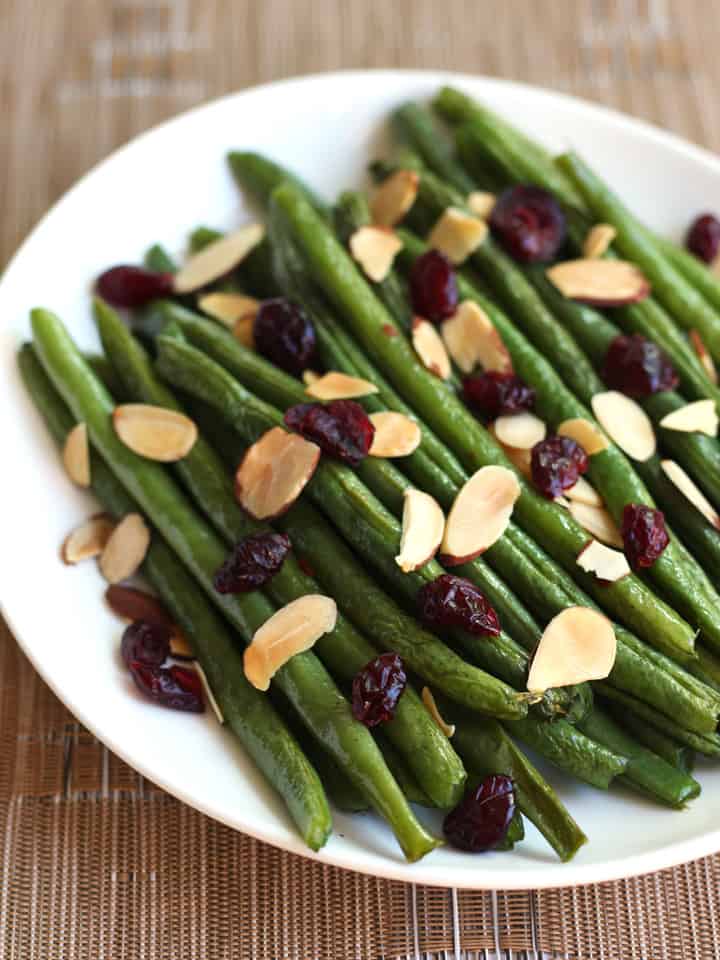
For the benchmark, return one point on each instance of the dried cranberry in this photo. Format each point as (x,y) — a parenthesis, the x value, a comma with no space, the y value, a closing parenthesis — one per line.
(556,463)
(703,237)
(493,394)
(450,601)
(529,223)
(377,688)
(644,534)
(174,687)
(128,286)
(284,334)
(481,820)
(433,286)
(637,367)
(252,562)
(145,642)
(341,428)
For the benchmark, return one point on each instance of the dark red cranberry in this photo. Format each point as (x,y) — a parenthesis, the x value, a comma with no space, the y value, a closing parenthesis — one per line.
(703,237)
(492,394)
(529,223)
(341,428)
(252,562)
(450,601)
(284,335)
(433,286)
(130,287)
(556,463)
(637,367)
(174,687)
(644,534)
(377,688)
(481,820)
(145,642)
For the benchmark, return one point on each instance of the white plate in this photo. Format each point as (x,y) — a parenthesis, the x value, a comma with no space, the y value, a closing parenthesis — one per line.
(156,189)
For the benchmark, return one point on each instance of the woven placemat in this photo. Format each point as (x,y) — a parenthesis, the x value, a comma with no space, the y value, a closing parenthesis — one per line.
(97,863)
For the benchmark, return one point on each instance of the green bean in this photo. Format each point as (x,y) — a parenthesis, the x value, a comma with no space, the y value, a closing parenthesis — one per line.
(416,126)
(259,176)
(157,258)
(674,753)
(700,275)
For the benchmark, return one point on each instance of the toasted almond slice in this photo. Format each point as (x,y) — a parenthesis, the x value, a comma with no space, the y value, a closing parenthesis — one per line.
(396,435)
(686,485)
(125,549)
(208,693)
(76,455)
(480,513)
(627,424)
(154,432)
(602,283)
(131,604)
(273,473)
(577,645)
(703,355)
(471,339)
(598,522)
(457,235)
(394,197)
(309,377)
(598,240)
(375,248)
(481,203)
(292,629)
(429,700)
(228,307)
(520,459)
(87,540)
(586,433)
(562,502)
(218,258)
(423,524)
(607,564)
(583,492)
(520,430)
(243,330)
(180,647)
(697,417)
(430,348)
(339,386)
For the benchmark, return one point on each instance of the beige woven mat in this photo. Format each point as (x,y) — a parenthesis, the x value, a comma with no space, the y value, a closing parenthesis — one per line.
(94,861)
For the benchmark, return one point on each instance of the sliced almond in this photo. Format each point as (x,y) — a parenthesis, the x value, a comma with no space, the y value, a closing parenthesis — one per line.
(394,197)
(703,355)
(125,549)
(480,203)
(626,423)
(396,435)
(87,540)
(598,240)
(244,330)
(457,235)
(423,524)
(429,700)
(375,249)
(292,629)
(584,492)
(208,693)
(273,473)
(607,564)
(76,455)
(697,417)
(180,646)
(471,339)
(155,432)
(218,258)
(602,283)
(430,348)
(562,502)
(131,604)
(340,386)
(586,433)
(520,459)
(691,491)
(520,430)
(228,307)
(577,645)
(597,521)
(309,377)
(480,513)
